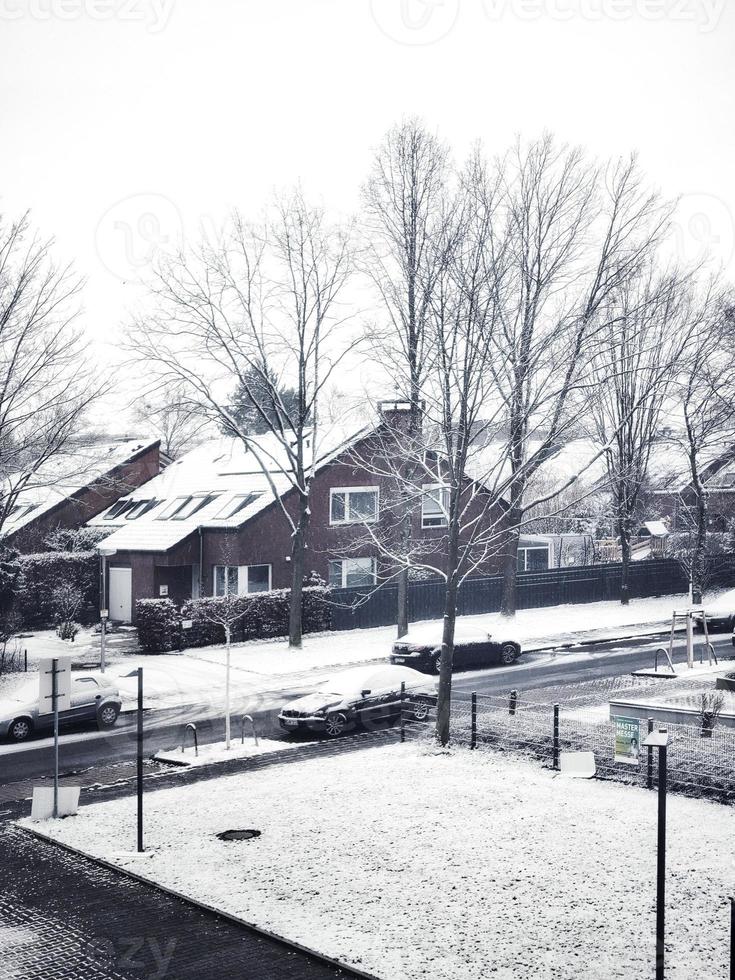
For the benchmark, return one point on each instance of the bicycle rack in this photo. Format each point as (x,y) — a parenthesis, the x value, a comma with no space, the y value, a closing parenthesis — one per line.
(193,729)
(252,728)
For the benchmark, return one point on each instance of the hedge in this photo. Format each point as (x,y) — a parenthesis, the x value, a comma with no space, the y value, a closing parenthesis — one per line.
(41,573)
(264,615)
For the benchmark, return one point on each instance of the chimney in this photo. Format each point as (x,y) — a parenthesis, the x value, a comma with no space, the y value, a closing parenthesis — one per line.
(396,414)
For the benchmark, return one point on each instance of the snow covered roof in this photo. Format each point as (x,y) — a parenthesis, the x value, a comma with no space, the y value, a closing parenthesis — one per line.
(656,528)
(81,465)
(220,484)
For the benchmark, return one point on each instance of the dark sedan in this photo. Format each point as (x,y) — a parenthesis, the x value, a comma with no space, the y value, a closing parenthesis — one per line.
(472,649)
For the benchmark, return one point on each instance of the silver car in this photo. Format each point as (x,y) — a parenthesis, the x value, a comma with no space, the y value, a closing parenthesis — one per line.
(93,698)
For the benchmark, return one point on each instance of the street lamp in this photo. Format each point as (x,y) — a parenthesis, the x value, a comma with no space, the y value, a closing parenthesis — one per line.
(104,553)
(660,740)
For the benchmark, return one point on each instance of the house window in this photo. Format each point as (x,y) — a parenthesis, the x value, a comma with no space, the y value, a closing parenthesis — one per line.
(239,502)
(533,559)
(353,505)
(241,579)
(182,507)
(435,507)
(139,508)
(347,573)
(119,508)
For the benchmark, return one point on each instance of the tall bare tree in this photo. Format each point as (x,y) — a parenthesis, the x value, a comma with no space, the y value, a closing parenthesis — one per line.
(647,334)
(172,416)
(704,393)
(258,312)
(47,382)
(579,232)
(403,211)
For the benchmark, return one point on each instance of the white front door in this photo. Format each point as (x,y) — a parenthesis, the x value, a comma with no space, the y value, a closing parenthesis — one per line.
(121,594)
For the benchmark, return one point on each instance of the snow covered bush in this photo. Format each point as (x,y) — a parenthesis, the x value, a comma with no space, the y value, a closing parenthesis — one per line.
(67,630)
(260,615)
(159,625)
(41,577)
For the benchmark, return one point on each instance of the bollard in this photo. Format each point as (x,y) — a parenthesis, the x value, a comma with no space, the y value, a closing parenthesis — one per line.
(252,728)
(193,729)
(473,732)
(649,769)
(512,702)
(732,939)
(402,716)
(556,736)
(25,661)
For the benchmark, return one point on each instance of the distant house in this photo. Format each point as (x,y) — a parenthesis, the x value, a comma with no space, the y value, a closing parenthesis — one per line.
(674,493)
(70,490)
(213,522)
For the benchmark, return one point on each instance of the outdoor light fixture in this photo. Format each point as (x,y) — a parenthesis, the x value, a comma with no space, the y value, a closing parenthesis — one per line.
(660,740)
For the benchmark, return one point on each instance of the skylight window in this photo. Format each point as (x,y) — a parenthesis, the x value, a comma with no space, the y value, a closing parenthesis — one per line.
(239,502)
(173,508)
(193,505)
(118,509)
(139,508)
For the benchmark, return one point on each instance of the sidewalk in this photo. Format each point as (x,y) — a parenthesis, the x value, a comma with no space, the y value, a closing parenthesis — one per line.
(64,917)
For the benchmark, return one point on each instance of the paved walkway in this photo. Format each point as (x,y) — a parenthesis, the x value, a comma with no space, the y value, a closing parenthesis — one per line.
(64,918)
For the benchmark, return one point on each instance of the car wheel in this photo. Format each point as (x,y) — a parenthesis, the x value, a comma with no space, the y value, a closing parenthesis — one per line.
(335,724)
(107,716)
(508,653)
(421,712)
(438,664)
(20,729)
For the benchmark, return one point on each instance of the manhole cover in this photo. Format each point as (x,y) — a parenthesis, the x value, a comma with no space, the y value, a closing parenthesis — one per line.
(238,834)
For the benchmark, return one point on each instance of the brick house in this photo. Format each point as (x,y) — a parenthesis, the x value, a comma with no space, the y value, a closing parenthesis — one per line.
(211,521)
(69,491)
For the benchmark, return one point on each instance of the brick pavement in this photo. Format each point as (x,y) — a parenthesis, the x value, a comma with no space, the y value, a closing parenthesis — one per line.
(62,917)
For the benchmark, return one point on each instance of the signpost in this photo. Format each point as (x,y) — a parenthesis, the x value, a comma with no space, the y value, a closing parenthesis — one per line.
(627,739)
(660,740)
(140,760)
(54,695)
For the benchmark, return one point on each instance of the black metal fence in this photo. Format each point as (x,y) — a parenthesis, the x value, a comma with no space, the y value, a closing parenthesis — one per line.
(362,607)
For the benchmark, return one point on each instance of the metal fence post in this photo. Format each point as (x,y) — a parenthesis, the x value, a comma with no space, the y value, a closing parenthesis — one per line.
(473,732)
(403,724)
(556,736)
(512,702)
(649,769)
(139,760)
(661,865)
(732,939)
(25,661)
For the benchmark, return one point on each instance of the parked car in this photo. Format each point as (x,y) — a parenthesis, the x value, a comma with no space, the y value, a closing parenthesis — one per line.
(359,696)
(472,648)
(720,613)
(93,698)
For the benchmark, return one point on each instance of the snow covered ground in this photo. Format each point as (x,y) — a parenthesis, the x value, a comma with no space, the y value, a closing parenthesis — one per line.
(215,752)
(411,863)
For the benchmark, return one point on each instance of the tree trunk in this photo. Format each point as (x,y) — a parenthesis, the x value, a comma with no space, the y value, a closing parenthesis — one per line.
(509,601)
(625,558)
(228,636)
(298,549)
(402,603)
(698,555)
(444,701)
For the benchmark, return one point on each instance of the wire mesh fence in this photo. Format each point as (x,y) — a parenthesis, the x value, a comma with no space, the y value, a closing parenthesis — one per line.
(701,762)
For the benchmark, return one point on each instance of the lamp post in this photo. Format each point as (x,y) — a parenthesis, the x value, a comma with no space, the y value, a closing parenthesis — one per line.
(660,740)
(105,553)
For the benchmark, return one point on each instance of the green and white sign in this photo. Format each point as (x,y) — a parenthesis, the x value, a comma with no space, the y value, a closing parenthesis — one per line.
(627,739)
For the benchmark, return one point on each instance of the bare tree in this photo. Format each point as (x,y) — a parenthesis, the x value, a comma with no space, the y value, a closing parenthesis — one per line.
(172,416)
(403,207)
(705,392)
(46,378)
(262,303)
(647,332)
(578,233)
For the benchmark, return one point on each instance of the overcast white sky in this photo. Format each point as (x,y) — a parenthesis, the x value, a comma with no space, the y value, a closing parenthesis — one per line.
(129,122)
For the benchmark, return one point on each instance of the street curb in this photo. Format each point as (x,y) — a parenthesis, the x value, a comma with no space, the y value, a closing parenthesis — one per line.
(581,642)
(202,906)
